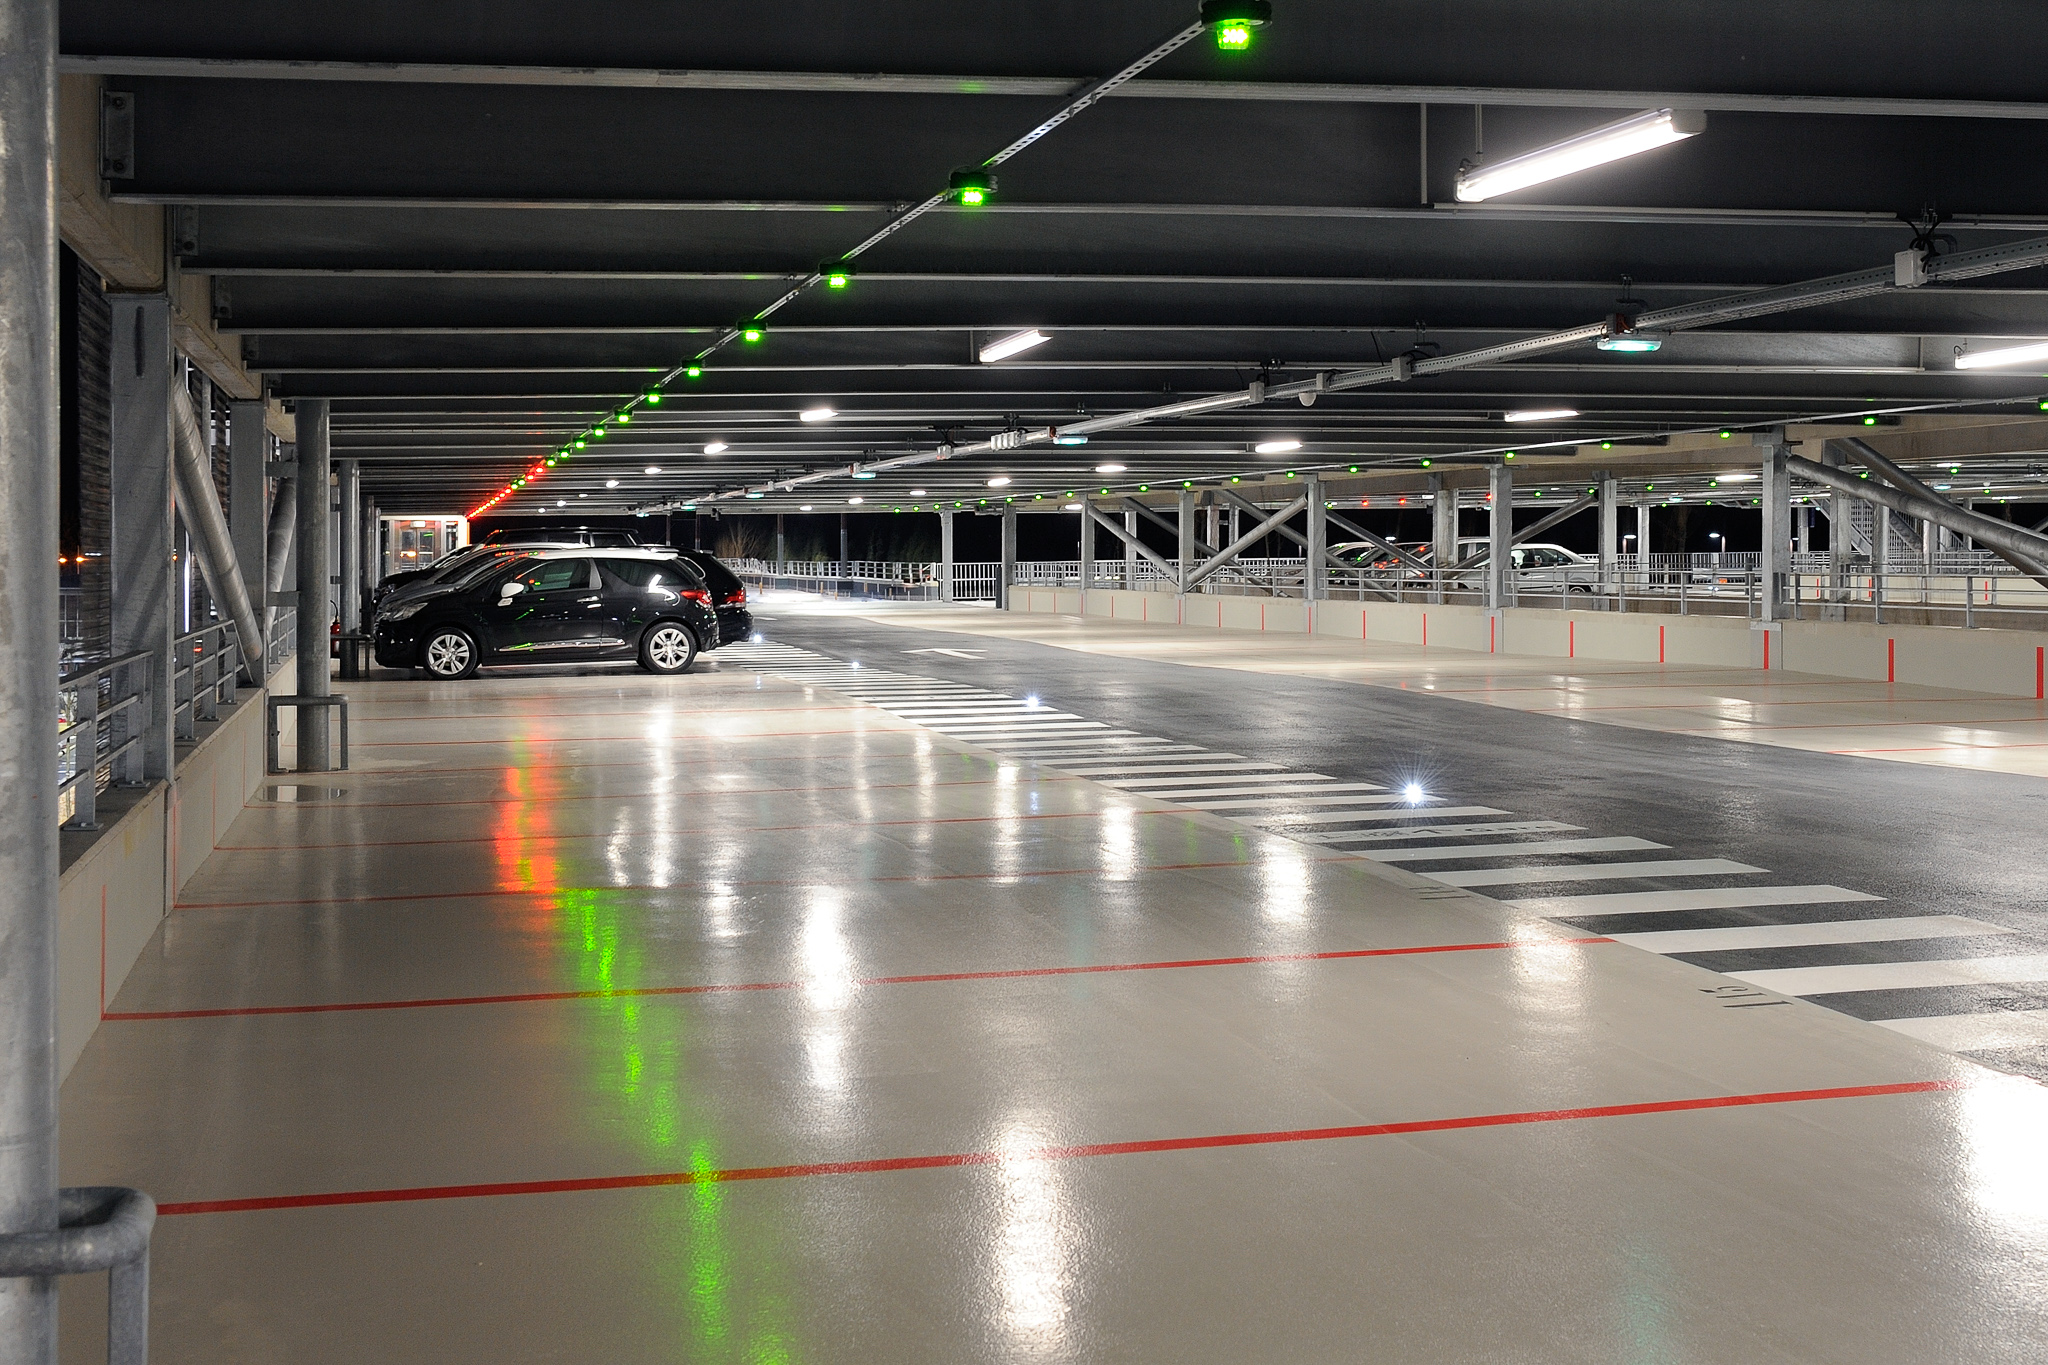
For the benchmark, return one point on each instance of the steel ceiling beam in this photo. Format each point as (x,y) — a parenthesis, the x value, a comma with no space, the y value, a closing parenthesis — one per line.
(884,83)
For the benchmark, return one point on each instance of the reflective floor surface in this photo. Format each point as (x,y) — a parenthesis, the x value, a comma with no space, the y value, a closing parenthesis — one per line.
(599,1017)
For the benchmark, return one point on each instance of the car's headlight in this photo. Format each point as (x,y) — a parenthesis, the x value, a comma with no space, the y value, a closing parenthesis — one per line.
(405,610)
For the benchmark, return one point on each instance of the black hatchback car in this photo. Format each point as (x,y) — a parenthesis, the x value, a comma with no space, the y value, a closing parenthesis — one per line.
(557,606)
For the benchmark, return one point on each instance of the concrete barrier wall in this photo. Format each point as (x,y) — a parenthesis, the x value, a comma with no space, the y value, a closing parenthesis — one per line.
(2012,663)
(110,901)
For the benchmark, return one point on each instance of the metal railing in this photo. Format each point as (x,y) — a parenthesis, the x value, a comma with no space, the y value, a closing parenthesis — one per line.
(99,1227)
(972,581)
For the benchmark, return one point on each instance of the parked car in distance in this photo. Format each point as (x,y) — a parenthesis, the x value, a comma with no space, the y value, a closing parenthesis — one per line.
(400,587)
(728,595)
(556,606)
(560,535)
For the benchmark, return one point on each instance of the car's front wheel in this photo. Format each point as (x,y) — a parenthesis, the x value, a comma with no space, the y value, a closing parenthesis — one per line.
(450,654)
(667,648)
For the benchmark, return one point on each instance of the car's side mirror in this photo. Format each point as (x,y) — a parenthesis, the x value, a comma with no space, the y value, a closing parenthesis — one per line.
(510,590)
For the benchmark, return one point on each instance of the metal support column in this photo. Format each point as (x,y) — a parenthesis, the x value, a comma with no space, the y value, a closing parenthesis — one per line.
(28,657)
(248,516)
(1500,533)
(1186,539)
(1315,583)
(843,556)
(316,519)
(1443,535)
(1008,569)
(144,573)
(946,557)
(373,554)
(781,543)
(1775,564)
(1087,552)
(1131,551)
(349,479)
(1610,534)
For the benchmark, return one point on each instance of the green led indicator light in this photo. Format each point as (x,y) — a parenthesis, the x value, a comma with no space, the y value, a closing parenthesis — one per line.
(1427,463)
(598,431)
(579,443)
(653,397)
(695,371)
(1354,469)
(625,416)
(1727,435)
(1509,456)
(750,335)
(1870,421)
(1144,488)
(1234,37)
(837,280)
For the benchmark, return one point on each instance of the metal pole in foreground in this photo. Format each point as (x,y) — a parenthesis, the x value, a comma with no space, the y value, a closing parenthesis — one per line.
(316,610)
(945,556)
(351,546)
(1008,571)
(28,661)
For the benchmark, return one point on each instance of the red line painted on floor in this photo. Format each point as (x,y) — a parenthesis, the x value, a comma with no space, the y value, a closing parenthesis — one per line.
(1891,661)
(554,798)
(1767,651)
(1571,639)
(1660,644)
(526,840)
(949,1160)
(926,878)
(1016,973)
(2041,674)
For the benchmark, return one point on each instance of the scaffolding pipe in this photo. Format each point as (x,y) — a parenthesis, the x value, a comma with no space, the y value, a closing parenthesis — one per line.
(1237,547)
(2034,566)
(2004,538)
(277,558)
(28,662)
(1131,540)
(211,538)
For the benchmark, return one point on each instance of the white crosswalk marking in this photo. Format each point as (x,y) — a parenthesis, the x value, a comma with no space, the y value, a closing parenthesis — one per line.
(1183,795)
(1893,976)
(1750,936)
(1531,849)
(1414,832)
(1721,898)
(1593,872)
(1991,1031)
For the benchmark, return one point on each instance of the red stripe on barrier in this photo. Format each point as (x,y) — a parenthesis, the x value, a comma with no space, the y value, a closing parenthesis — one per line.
(941,1161)
(532,997)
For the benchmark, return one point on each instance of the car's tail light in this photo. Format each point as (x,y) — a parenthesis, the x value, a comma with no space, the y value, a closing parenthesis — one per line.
(696,595)
(738,597)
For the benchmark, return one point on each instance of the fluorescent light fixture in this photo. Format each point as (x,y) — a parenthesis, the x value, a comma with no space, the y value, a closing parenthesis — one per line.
(1611,142)
(654,469)
(817,414)
(805,508)
(999,481)
(856,501)
(715,448)
(917,492)
(1011,345)
(611,483)
(1740,478)
(1070,440)
(755,497)
(1542,414)
(561,502)
(1071,507)
(2011,355)
(863,473)
(1109,469)
(1276,447)
(1632,343)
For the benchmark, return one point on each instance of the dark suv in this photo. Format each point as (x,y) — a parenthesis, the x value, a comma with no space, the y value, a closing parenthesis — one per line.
(728,595)
(557,606)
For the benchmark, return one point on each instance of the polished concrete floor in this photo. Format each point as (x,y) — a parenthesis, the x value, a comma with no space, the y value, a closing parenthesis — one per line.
(769,1015)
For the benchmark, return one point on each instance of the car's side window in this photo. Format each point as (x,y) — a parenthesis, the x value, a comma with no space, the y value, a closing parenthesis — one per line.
(673,574)
(554,575)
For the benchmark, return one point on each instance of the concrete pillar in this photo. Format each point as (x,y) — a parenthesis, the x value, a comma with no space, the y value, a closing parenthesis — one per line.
(1803,519)
(1610,532)
(1500,578)
(316,602)
(1186,553)
(1008,569)
(1131,553)
(781,543)
(945,556)
(1643,531)
(1776,561)
(1316,582)
(1443,534)
(28,657)
(350,533)
(842,543)
(1087,551)
(145,570)
(248,516)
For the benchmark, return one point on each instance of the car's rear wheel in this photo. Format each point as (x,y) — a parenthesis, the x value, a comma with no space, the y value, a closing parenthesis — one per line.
(667,647)
(449,654)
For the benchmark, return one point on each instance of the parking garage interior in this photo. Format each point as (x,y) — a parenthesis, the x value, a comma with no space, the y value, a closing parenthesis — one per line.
(1197,680)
